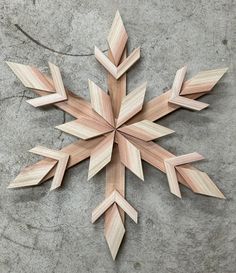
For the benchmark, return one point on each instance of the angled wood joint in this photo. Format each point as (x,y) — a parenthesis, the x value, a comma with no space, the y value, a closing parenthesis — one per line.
(170,165)
(115,197)
(62,160)
(176,97)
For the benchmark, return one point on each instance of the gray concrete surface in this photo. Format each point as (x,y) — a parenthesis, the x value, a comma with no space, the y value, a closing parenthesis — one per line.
(51,232)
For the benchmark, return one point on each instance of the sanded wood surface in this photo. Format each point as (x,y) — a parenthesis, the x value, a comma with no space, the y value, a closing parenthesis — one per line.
(114,197)
(84,128)
(43,169)
(114,230)
(115,71)
(62,159)
(180,100)
(204,81)
(101,102)
(197,181)
(170,165)
(117,38)
(101,155)
(31,77)
(131,104)
(160,106)
(146,130)
(130,156)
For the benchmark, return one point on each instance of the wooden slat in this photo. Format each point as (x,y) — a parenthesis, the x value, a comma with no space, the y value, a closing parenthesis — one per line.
(117,72)
(187,175)
(31,77)
(101,155)
(101,102)
(178,82)
(114,230)
(204,81)
(145,130)
(182,101)
(170,165)
(43,169)
(131,104)
(116,88)
(57,80)
(115,179)
(117,38)
(62,159)
(115,197)
(130,156)
(159,106)
(84,128)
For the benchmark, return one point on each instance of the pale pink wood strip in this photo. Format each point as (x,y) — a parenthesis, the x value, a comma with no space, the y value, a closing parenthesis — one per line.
(42,170)
(178,81)
(57,80)
(101,155)
(172,179)
(101,102)
(145,130)
(117,38)
(188,103)
(130,156)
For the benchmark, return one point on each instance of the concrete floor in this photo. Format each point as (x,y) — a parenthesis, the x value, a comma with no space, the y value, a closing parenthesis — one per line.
(51,232)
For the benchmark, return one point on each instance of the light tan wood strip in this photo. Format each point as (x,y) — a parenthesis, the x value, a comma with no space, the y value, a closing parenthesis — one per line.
(62,159)
(170,165)
(117,72)
(114,197)
(117,38)
(130,156)
(101,102)
(116,88)
(101,155)
(57,80)
(43,169)
(194,179)
(131,104)
(178,81)
(115,179)
(188,103)
(159,106)
(204,81)
(84,128)
(114,231)
(31,77)
(146,130)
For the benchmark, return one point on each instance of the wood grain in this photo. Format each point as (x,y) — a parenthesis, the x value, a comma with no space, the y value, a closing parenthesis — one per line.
(145,130)
(117,38)
(43,169)
(170,165)
(160,106)
(197,181)
(182,101)
(101,102)
(84,128)
(130,155)
(101,155)
(131,104)
(115,71)
(62,159)
(114,197)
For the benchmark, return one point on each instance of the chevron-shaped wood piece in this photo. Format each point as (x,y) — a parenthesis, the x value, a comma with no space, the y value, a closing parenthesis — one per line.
(170,165)
(62,160)
(117,71)
(180,100)
(115,197)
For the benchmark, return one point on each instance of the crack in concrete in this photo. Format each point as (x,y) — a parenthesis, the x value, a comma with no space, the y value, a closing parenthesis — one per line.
(51,49)
(12,97)
(17,243)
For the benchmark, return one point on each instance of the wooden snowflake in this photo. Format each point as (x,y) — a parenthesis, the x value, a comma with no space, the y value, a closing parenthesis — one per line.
(116,131)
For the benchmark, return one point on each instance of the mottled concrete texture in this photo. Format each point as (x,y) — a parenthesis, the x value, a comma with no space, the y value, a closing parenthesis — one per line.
(51,232)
